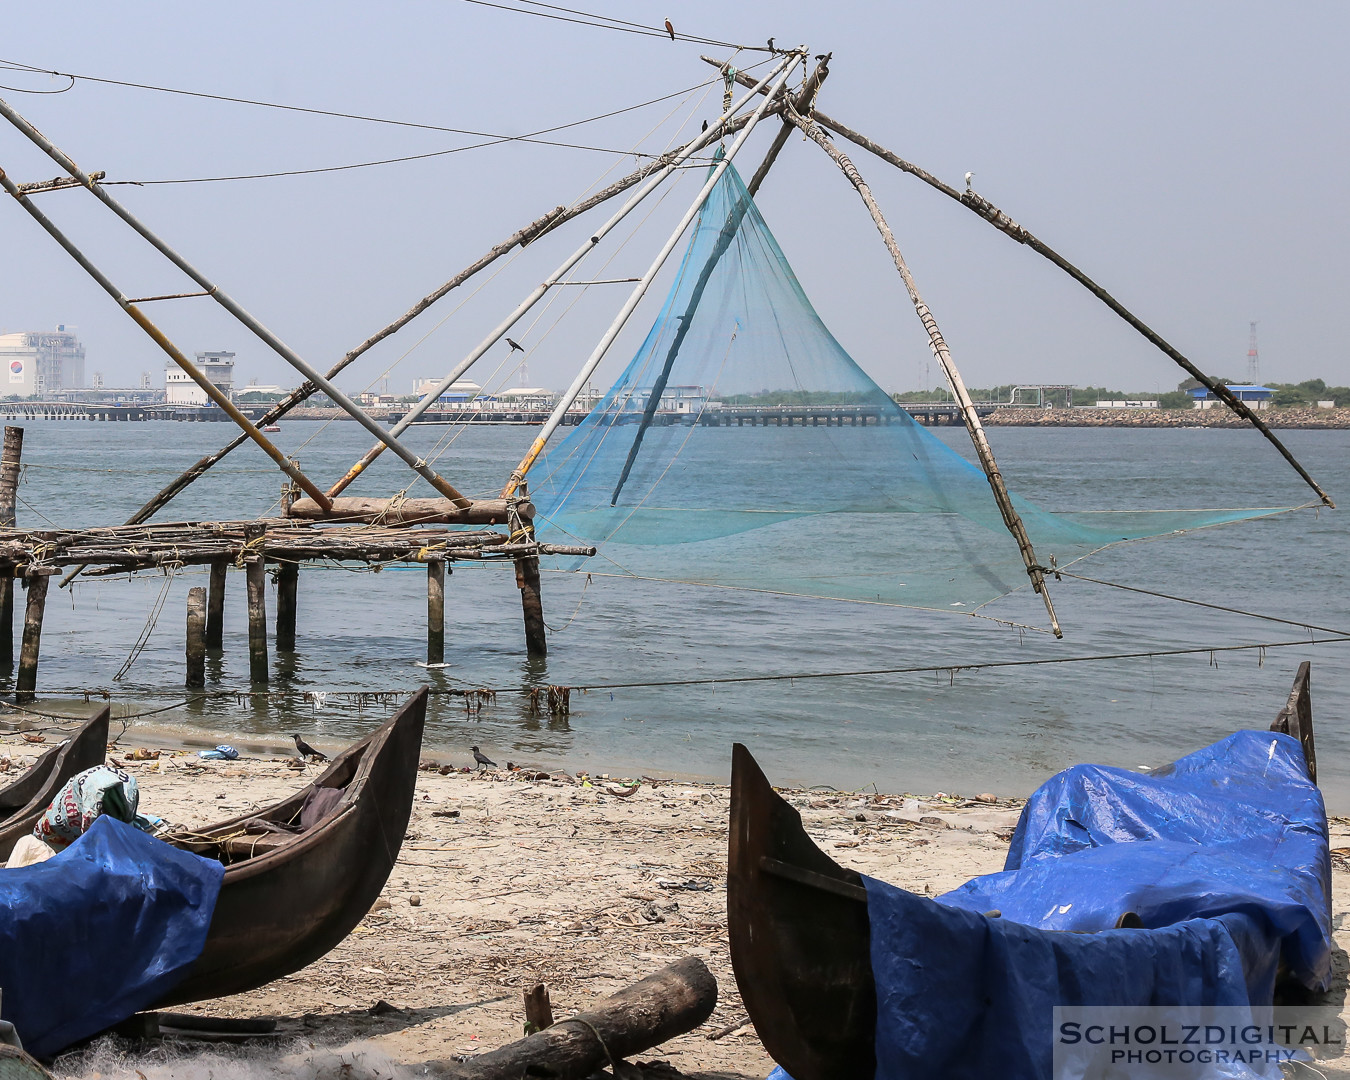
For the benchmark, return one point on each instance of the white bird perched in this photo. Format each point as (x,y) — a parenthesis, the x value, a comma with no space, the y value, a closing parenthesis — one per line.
(968,176)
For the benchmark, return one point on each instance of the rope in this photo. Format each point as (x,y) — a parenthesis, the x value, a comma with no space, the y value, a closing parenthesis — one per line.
(364,697)
(170,572)
(1201,603)
(591,1028)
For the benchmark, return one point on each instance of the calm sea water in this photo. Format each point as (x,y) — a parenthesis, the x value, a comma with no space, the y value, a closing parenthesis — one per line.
(968,730)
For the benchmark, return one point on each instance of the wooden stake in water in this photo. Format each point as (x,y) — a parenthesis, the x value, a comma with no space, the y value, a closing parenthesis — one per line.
(532,605)
(255,573)
(196,638)
(436,611)
(215,606)
(32,639)
(9,496)
(288,586)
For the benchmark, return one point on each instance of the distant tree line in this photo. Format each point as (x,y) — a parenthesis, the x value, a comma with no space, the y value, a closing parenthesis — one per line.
(1287,395)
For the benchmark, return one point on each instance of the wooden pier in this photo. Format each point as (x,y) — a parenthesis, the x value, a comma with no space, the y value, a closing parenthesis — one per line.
(283,545)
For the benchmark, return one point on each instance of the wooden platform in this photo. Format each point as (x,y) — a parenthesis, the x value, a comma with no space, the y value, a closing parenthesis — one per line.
(122,549)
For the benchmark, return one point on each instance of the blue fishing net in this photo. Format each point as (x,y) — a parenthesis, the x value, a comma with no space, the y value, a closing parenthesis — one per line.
(742,445)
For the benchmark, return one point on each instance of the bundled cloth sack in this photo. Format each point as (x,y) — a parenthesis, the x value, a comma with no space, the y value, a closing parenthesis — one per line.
(86,797)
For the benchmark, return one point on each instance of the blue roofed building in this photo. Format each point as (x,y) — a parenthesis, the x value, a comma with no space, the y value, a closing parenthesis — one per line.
(1254,397)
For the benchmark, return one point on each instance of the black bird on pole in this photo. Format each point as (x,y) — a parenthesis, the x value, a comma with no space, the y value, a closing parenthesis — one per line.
(478,757)
(515,346)
(306,751)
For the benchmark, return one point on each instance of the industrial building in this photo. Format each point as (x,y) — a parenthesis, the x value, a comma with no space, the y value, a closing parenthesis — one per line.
(179,389)
(41,362)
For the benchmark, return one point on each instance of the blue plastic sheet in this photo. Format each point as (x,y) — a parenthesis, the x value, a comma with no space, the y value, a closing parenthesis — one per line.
(1235,827)
(99,932)
(1223,855)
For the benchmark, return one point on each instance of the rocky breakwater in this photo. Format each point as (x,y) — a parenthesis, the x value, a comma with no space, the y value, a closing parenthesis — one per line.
(1212,418)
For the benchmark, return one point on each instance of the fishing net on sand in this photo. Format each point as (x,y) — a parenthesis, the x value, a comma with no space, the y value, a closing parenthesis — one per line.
(743,447)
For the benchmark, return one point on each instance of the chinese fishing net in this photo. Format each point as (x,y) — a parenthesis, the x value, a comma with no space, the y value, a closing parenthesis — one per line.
(743,447)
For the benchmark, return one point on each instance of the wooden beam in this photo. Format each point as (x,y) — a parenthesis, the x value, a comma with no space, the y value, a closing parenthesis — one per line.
(408,511)
(802,103)
(938,344)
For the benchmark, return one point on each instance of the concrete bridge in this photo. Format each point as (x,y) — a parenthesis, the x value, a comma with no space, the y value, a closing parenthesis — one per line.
(68,410)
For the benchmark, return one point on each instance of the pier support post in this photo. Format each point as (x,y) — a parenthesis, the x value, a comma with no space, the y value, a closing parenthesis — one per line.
(32,638)
(436,611)
(255,571)
(215,606)
(196,638)
(9,495)
(288,586)
(532,605)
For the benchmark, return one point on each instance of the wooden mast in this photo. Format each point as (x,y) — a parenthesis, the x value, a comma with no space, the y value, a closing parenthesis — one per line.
(1005,224)
(939,346)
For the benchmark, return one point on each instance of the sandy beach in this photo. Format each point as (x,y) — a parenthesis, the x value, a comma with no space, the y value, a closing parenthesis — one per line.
(511,878)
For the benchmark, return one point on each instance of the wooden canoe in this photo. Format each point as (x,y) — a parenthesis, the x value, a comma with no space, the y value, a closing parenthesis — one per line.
(799,930)
(288,897)
(23,802)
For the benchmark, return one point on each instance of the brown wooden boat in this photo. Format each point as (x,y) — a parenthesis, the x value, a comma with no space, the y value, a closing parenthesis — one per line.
(23,802)
(301,874)
(799,929)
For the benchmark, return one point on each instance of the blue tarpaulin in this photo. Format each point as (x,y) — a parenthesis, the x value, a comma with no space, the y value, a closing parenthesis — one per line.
(1223,855)
(98,932)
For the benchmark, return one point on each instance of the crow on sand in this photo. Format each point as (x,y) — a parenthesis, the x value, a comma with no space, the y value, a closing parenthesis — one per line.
(478,757)
(306,751)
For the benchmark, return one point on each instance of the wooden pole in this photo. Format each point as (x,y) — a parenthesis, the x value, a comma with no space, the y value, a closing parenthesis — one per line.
(436,611)
(539,291)
(304,391)
(939,346)
(639,290)
(215,606)
(288,587)
(802,103)
(32,639)
(256,575)
(1006,224)
(532,605)
(196,638)
(10,460)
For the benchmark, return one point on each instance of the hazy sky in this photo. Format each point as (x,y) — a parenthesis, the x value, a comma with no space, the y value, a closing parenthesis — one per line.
(1190,156)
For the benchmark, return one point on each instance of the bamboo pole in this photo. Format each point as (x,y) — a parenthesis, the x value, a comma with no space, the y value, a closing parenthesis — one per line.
(939,346)
(552,280)
(196,638)
(26,685)
(10,461)
(215,606)
(588,369)
(1007,225)
(233,307)
(436,612)
(300,394)
(211,389)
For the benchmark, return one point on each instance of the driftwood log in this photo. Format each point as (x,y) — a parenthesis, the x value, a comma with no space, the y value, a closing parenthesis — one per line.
(670,1002)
